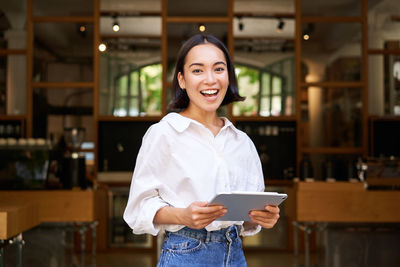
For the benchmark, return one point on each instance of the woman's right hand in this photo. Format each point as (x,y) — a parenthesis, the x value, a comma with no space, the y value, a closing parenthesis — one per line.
(198,214)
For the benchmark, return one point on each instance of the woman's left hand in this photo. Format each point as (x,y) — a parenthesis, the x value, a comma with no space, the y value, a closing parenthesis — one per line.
(266,218)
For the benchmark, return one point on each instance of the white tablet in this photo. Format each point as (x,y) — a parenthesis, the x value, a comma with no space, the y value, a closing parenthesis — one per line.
(239,204)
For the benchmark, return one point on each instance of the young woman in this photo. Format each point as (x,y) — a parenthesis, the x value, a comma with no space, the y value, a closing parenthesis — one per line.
(189,157)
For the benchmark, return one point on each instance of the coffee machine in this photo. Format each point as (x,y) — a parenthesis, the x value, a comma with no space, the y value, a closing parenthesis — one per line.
(73,170)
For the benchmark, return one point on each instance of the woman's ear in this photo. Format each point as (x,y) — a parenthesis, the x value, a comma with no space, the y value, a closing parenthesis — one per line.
(181,81)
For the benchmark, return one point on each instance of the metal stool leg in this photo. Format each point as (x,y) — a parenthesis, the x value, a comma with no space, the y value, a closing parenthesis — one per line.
(2,244)
(93,226)
(307,245)
(82,232)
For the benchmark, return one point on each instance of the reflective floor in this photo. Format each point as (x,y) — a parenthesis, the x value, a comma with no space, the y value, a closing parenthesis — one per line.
(254,259)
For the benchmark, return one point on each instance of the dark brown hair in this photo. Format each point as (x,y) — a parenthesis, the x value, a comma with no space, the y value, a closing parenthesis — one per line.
(181,99)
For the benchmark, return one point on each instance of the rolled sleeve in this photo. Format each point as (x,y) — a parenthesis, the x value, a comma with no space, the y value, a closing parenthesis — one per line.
(245,231)
(147,181)
(141,219)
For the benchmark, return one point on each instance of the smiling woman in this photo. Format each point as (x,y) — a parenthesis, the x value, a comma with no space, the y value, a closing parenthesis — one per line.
(189,157)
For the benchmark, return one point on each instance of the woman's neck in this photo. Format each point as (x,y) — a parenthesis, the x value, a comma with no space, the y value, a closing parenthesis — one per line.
(209,119)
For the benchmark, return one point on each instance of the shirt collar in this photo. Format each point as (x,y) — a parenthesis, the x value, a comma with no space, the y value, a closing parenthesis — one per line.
(181,123)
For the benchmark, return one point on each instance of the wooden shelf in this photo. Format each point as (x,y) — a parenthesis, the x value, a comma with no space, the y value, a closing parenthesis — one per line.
(332,150)
(178,19)
(62,84)
(12,117)
(266,119)
(385,118)
(130,36)
(62,19)
(332,19)
(275,182)
(384,51)
(130,118)
(264,15)
(6,52)
(335,84)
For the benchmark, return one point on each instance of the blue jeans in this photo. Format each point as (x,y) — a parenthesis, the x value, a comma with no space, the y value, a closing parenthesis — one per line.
(200,248)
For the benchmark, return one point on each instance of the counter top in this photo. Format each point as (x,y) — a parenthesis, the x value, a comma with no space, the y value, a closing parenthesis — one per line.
(16,217)
(345,202)
(56,205)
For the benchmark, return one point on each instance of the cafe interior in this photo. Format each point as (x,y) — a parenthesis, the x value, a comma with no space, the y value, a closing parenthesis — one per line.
(82,81)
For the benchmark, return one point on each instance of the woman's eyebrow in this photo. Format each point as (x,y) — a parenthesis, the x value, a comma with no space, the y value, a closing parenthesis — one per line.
(201,64)
(220,62)
(196,64)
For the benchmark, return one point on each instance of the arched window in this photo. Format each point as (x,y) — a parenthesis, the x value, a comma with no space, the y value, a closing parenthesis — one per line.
(269,91)
(138,92)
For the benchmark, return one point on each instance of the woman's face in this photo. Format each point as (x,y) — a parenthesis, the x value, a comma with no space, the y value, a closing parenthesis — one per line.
(205,77)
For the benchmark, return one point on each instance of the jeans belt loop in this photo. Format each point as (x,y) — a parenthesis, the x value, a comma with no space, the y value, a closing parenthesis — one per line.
(208,237)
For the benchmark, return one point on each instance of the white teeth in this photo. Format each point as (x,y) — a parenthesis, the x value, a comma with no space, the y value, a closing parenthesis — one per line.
(209,92)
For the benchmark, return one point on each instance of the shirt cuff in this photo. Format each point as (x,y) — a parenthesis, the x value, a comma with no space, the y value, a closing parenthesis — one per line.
(146,224)
(246,231)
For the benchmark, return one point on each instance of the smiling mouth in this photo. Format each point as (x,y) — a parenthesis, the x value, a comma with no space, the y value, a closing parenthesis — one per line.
(210,92)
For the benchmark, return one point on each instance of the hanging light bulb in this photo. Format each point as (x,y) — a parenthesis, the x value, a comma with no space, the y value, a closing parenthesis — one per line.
(240,24)
(102,47)
(82,28)
(202,28)
(280,26)
(115,26)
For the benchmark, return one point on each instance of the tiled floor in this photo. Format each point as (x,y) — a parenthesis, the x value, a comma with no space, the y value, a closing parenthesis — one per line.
(254,259)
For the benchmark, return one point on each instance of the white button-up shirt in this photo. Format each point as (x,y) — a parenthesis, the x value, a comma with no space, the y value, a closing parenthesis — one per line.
(180,161)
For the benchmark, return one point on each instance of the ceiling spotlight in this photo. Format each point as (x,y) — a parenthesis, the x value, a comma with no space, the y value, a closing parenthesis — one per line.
(240,25)
(280,26)
(115,24)
(307,31)
(102,47)
(82,28)
(202,27)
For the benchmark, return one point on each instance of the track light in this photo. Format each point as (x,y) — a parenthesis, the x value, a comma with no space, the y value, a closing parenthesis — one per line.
(202,27)
(240,25)
(82,28)
(102,47)
(115,24)
(280,26)
(307,30)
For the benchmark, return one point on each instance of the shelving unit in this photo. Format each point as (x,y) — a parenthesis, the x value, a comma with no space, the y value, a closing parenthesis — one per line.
(330,84)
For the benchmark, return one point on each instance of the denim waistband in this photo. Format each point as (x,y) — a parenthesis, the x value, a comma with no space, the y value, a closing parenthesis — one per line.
(230,233)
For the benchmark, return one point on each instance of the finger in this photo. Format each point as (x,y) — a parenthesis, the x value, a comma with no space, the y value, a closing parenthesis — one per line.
(213,215)
(263,213)
(200,203)
(203,223)
(264,216)
(272,208)
(211,209)
(204,215)
(264,224)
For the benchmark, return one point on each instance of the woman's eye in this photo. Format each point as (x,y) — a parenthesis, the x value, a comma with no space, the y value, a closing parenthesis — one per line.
(220,69)
(196,71)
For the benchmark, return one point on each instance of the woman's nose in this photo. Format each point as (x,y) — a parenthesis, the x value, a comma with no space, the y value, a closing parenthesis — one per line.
(210,77)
